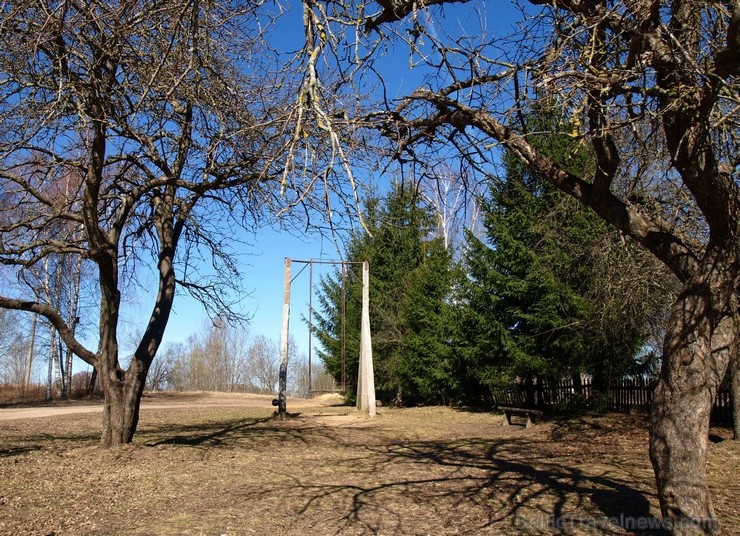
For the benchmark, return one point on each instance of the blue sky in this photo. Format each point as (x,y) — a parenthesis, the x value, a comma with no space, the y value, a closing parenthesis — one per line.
(263,268)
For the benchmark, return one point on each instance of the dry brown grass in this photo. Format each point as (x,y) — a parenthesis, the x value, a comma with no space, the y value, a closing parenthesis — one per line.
(213,470)
(11,394)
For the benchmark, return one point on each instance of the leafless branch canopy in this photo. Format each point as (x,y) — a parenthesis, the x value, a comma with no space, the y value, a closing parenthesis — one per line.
(138,135)
(652,89)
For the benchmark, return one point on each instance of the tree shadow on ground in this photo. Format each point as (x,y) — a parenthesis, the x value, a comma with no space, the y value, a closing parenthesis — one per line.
(21,444)
(372,479)
(478,485)
(207,434)
(8,452)
(535,495)
(233,433)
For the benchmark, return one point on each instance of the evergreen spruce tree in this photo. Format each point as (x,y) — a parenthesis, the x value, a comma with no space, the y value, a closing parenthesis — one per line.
(533,306)
(411,278)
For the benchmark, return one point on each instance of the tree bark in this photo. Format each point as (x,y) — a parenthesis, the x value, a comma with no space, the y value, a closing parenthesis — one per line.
(120,415)
(735,393)
(122,404)
(52,359)
(93,381)
(73,321)
(702,335)
(123,389)
(58,368)
(29,358)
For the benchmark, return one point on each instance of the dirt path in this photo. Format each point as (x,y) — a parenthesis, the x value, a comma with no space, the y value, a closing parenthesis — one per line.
(171,401)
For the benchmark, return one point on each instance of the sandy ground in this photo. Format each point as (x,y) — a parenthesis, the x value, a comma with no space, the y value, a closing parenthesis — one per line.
(172,400)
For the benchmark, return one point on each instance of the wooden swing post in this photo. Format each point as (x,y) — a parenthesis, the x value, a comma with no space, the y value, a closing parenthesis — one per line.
(283,378)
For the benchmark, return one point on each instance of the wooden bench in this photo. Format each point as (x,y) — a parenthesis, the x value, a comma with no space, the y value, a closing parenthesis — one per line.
(529,413)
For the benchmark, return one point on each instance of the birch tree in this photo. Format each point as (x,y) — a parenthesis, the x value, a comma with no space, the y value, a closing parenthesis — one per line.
(13,349)
(455,201)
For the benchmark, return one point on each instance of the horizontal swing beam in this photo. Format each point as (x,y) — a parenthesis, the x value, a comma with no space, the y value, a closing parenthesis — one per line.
(318,261)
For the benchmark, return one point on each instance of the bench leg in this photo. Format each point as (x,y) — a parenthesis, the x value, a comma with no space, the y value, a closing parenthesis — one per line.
(530,424)
(507,419)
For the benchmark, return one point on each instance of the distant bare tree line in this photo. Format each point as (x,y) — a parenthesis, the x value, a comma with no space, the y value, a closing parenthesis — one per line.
(30,355)
(221,357)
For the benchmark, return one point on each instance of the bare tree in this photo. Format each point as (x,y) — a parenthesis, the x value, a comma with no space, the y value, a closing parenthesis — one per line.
(454,199)
(80,382)
(174,123)
(56,282)
(263,361)
(224,352)
(652,90)
(13,349)
(29,358)
(158,377)
(320,380)
(178,378)
(213,359)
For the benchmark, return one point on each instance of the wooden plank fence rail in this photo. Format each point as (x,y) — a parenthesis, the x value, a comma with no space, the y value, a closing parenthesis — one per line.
(625,396)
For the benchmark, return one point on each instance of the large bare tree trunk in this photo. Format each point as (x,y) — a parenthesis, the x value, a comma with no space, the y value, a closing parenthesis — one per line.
(122,389)
(702,336)
(121,406)
(735,394)
(121,414)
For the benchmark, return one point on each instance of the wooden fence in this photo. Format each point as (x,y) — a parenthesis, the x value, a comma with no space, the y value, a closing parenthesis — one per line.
(626,395)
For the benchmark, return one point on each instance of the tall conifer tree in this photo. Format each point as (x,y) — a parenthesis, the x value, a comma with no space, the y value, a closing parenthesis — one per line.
(411,278)
(534,309)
